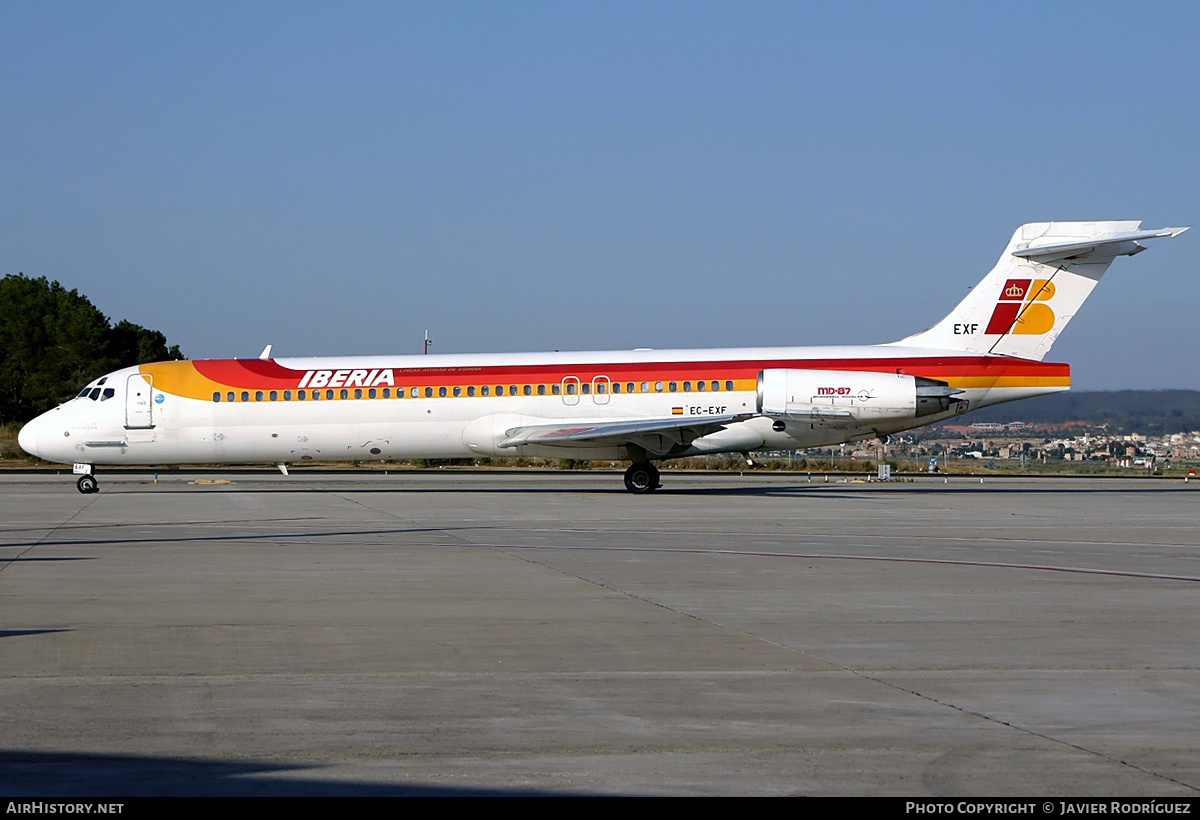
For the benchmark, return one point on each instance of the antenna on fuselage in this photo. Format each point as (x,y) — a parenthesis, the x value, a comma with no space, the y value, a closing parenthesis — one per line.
(428,342)
(266,354)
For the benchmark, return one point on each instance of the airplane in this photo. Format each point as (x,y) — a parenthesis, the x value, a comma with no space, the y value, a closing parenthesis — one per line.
(639,406)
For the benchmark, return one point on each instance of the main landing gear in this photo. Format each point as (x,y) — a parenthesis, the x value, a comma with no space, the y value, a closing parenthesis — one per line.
(87,484)
(642,478)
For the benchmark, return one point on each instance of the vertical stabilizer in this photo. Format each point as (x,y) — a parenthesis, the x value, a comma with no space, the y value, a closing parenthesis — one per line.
(1038,284)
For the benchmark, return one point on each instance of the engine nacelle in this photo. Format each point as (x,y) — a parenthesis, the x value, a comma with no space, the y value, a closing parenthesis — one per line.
(850,395)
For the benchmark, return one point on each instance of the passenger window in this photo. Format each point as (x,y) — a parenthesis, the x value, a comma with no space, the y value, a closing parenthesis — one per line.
(485,390)
(442,392)
(274,395)
(343,393)
(541,389)
(316,395)
(471,391)
(512,390)
(216,397)
(586,388)
(555,389)
(429,392)
(229,396)
(457,392)
(372,394)
(527,390)
(571,389)
(287,395)
(645,387)
(687,387)
(728,385)
(672,387)
(245,395)
(658,387)
(329,394)
(301,395)
(357,393)
(629,387)
(616,387)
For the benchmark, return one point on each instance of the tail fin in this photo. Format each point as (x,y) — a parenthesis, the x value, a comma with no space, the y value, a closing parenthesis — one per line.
(1042,278)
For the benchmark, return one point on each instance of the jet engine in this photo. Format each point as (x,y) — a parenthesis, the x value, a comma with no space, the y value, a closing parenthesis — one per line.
(849,395)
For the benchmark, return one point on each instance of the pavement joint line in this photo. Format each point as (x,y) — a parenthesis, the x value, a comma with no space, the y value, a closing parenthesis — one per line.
(66,527)
(1024,729)
(7,561)
(1152,576)
(881,536)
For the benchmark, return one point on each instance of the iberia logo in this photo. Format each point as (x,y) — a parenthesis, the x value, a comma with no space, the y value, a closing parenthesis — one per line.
(1022,307)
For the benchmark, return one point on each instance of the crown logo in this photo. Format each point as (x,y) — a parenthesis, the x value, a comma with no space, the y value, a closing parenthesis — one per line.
(1014,291)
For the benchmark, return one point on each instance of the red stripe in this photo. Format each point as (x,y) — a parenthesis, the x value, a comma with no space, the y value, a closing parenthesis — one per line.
(1003,318)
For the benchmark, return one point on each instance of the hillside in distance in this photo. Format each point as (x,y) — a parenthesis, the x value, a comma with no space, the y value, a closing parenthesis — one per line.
(1121,411)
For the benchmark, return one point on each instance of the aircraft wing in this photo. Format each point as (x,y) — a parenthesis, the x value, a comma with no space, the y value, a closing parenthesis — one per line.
(674,430)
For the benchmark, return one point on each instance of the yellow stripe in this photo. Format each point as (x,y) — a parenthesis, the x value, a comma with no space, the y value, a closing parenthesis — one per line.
(1008,381)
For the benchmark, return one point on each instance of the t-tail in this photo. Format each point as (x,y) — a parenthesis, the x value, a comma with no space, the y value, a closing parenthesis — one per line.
(1038,284)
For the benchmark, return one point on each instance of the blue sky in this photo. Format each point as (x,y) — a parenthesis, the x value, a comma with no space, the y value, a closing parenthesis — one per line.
(336,178)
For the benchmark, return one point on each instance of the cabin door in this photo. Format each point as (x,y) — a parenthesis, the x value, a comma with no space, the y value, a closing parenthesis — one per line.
(139,401)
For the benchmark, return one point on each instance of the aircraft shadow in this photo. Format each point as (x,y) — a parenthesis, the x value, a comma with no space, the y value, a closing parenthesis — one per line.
(80,774)
(269,536)
(16,633)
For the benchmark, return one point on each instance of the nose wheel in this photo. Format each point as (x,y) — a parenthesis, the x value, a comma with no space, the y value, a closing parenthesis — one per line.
(87,484)
(642,478)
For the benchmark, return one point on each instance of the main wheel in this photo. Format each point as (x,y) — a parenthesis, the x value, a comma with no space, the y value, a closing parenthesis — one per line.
(641,478)
(87,484)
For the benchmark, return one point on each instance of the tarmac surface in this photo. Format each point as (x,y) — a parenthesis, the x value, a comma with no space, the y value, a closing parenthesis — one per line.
(548,633)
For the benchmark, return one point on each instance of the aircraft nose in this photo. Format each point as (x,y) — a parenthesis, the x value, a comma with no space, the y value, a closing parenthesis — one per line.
(28,437)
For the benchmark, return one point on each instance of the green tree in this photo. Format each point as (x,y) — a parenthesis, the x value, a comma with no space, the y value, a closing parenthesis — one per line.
(134,344)
(53,341)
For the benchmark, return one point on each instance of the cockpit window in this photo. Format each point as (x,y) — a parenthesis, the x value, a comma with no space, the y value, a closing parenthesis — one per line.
(108,393)
(94,394)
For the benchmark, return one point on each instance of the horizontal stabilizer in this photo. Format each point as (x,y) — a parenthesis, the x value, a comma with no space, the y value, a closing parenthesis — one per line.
(1117,244)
